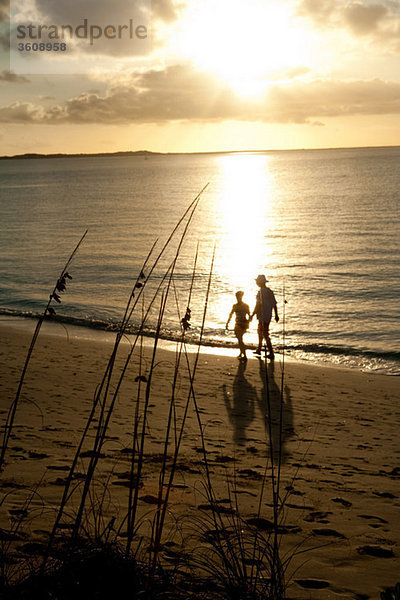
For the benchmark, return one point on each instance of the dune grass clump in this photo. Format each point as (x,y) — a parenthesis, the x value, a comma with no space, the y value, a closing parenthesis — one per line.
(391,593)
(100,573)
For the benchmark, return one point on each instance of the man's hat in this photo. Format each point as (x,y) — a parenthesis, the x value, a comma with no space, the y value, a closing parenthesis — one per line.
(261,279)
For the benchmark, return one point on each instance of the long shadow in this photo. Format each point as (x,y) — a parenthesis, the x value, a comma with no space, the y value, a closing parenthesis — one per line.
(240,405)
(272,413)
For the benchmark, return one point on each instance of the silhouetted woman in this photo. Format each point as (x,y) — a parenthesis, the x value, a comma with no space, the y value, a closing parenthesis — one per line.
(241,311)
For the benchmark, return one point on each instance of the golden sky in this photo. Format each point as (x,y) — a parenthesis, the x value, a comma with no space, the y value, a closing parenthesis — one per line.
(208,75)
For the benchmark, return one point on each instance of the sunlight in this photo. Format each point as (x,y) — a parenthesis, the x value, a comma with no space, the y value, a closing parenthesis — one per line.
(244,45)
(245,209)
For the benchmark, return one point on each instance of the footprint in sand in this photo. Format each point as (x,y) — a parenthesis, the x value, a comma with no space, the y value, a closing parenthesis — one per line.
(217,509)
(298,506)
(18,513)
(149,499)
(33,548)
(294,492)
(318,517)
(11,536)
(250,473)
(376,551)
(328,533)
(91,453)
(38,455)
(394,473)
(124,480)
(125,483)
(12,485)
(245,492)
(266,525)
(373,518)
(385,495)
(312,584)
(342,501)
(224,459)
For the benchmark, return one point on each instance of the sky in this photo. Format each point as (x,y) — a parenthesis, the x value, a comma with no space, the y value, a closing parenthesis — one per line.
(199,75)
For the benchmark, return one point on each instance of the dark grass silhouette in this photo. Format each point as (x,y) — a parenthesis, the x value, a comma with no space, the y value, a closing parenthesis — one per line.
(59,287)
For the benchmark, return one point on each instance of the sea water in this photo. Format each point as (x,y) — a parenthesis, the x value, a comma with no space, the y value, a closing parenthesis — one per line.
(322,225)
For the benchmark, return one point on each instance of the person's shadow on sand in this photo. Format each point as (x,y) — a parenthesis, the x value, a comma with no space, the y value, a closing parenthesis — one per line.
(272,411)
(240,405)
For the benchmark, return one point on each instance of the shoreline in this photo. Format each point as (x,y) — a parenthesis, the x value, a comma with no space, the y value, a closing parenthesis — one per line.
(87,333)
(340,455)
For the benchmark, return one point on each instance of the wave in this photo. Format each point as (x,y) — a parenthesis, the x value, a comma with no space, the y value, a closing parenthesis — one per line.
(379,361)
(316,348)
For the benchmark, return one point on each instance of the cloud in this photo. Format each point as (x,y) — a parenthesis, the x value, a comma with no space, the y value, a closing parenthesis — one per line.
(292,73)
(4,24)
(103,10)
(379,20)
(364,19)
(4,41)
(166,10)
(22,112)
(11,77)
(177,93)
(319,11)
(180,94)
(121,28)
(4,10)
(325,98)
(95,27)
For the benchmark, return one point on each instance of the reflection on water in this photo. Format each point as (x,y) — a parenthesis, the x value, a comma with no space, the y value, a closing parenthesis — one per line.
(244,210)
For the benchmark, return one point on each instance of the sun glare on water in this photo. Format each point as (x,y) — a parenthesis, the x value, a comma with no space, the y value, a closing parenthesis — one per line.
(246,44)
(246,215)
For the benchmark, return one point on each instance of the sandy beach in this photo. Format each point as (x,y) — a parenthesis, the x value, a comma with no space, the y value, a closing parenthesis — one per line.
(340,462)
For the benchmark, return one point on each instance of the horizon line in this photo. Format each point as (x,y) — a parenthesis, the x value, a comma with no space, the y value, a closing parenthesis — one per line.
(28,155)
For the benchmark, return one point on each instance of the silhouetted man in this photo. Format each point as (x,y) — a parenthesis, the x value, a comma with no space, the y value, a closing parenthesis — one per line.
(265,304)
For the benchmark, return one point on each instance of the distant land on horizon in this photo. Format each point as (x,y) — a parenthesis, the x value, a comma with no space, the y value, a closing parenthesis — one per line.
(79,155)
(151,153)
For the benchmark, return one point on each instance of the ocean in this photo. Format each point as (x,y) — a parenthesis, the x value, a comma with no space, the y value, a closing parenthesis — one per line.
(322,225)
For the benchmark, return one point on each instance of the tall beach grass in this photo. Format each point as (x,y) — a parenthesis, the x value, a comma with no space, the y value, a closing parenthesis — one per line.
(222,554)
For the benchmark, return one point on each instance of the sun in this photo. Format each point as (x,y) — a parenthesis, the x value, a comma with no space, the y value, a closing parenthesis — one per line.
(246,44)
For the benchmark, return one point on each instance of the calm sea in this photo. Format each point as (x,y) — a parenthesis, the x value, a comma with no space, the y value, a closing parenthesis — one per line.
(322,225)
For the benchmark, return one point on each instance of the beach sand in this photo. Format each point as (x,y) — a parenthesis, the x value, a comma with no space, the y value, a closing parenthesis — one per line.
(340,450)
